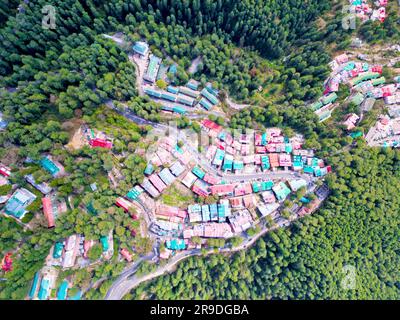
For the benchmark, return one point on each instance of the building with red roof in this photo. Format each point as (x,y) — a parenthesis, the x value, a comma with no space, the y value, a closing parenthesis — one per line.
(102,143)
(5,171)
(222,189)
(157,182)
(123,203)
(125,253)
(274,160)
(48,211)
(210,179)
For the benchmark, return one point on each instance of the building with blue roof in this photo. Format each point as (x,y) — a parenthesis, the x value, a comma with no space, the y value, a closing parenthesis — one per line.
(44,289)
(141,48)
(213,212)
(34,285)
(210,97)
(166,176)
(62,291)
(49,166)
(173,90)
(205,104)
(152,69)
(19,201)
(177,169)
(219,157)
(149,169)
(104,243)
(176,244)
(205,213)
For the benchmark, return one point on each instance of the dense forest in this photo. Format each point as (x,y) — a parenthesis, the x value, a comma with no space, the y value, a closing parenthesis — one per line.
(358,227)
(270,53)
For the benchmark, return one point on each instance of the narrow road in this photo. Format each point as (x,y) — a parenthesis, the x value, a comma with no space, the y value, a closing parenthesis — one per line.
(128,280)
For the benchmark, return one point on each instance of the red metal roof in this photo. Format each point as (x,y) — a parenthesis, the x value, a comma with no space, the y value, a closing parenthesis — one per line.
(100,143)
(222,188)
(122,203)
(48,211)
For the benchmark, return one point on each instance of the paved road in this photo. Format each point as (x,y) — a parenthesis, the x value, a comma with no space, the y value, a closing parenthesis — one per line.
(128,280)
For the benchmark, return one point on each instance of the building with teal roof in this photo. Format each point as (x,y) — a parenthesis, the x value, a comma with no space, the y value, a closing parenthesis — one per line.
(152,69)
(104,243)
(267,185)
(34,285)
(264,139)
(58,248)
(140,48)
(62,291)
(281,191)
(92,210)
(176,244)
(297,162)
(219,157)
(173,89)
(265,164)
(256,186)
(49,166)
(214,211)
(205,104)
(44,289)
(238,165)
(308,169)
(179,110)
(228,162)
(149,169)
(134,193)
(210,97)
(198,172)
(16,205)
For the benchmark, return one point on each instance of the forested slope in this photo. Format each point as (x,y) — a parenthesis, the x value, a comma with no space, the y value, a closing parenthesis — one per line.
(358,226)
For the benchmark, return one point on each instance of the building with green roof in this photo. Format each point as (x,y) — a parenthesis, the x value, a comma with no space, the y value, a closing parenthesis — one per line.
(329,98)
(358,98)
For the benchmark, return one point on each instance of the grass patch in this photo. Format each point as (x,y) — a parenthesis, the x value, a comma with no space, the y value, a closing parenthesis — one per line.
(175,197)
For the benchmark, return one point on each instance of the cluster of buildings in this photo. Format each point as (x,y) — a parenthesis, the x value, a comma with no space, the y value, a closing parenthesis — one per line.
(73,251)
(173,99)
(366,85)
(363,10)
(386,132)
(44,282)
(268,150)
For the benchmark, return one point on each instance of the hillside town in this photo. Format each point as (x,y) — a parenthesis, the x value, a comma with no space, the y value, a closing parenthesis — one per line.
(146,160)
